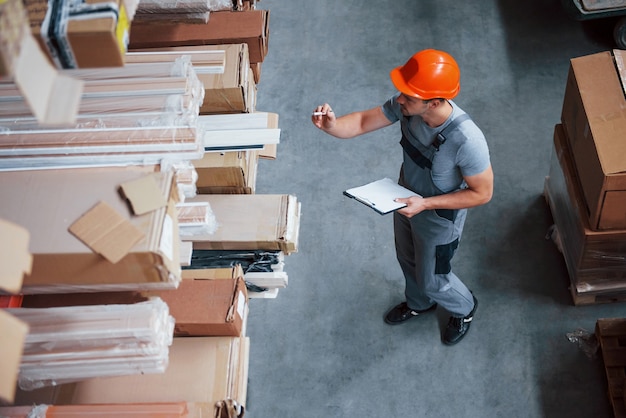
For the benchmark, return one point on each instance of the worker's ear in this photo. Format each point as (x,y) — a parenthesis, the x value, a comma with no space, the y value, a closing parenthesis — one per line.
(435,103)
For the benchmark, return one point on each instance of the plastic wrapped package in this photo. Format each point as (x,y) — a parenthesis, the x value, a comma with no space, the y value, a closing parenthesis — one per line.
(186,177)
(196,218)
(141,94)
(140,136)
(73,343)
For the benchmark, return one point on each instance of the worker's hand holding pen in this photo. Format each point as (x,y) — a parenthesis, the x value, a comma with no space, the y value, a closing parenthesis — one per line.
(323,117)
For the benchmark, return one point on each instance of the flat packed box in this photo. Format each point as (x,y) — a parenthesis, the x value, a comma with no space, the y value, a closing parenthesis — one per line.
(224,27)
(94,35)
(596,260)
(86,230)
(250,222)
(595,123)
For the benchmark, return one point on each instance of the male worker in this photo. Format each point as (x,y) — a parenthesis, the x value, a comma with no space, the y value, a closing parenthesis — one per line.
(446,163)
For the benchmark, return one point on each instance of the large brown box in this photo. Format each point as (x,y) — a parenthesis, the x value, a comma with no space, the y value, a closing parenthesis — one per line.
(205,306)
(595,122)
(224,27)
(596,260)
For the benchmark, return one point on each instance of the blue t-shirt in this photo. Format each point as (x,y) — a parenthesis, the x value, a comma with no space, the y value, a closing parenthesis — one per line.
(465,152)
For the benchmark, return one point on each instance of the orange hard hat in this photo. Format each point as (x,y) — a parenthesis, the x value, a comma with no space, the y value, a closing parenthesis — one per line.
(428,74)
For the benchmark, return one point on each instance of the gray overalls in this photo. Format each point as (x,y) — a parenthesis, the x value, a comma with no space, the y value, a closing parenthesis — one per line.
(425,243)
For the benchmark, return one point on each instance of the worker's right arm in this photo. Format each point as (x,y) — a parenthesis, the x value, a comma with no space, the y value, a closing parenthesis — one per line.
(350,125)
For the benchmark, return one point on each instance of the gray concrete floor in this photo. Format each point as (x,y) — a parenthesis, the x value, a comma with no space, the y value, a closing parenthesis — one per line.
(321,349)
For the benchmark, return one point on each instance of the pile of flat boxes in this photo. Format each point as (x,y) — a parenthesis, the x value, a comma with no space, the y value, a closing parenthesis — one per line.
(586,185)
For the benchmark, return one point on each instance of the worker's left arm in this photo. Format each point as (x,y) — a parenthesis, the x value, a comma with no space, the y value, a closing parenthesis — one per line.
(478,192)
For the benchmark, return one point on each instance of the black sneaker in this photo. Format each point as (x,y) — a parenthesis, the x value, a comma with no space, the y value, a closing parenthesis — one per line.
(402,312)
(458,326)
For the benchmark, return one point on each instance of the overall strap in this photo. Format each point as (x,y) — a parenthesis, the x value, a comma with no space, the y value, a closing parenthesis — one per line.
(417,156)
(441,136)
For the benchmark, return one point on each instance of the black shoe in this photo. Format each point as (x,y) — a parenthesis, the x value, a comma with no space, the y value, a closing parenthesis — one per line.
(402,312)
(458,326)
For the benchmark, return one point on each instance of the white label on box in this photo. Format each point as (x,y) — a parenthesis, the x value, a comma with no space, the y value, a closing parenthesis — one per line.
(167,238)
(241,304)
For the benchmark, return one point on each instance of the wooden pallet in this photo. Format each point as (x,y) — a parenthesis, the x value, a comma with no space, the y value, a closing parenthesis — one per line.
(584,298)
(611,334)
(597,298)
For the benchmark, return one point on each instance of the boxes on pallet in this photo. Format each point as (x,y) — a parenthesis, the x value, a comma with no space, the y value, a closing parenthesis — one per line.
(595,260)
(595,123)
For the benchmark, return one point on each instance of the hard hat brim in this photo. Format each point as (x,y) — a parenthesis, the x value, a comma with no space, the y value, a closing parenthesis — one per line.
(400,83)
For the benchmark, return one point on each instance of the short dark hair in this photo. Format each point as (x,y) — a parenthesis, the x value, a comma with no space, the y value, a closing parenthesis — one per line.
(439,99)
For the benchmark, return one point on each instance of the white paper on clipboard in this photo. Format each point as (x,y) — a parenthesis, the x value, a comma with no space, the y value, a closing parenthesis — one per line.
(380,195)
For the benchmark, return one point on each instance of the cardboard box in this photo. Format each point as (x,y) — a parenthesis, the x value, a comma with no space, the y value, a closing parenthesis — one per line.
(251,222)
(595,124)
(94,38)
(232,172)
(204,307)
(50,202)
(224,27)
(595,260)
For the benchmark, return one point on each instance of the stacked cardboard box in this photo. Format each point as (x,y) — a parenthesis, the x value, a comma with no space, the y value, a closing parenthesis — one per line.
(232,172)
(587,181)
(135,257)
(223,27)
